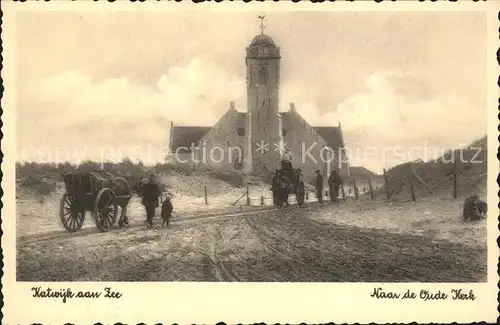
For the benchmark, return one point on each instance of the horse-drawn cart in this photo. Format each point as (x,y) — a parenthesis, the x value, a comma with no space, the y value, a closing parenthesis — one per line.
(291,181)
(97,192)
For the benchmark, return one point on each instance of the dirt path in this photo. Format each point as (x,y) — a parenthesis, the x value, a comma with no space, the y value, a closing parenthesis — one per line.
(61,234)
(254,246)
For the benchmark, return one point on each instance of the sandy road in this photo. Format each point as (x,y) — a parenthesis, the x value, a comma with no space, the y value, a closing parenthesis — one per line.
(263,245)
(61,234)
(221,272)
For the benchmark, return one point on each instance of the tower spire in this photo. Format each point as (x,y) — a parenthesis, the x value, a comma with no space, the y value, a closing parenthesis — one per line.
(261,17)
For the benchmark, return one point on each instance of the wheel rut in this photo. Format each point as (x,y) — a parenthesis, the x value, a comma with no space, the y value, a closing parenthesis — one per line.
(220,270)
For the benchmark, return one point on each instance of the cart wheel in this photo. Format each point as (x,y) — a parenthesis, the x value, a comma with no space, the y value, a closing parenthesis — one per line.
(71,216)
(105,209)
(300,193)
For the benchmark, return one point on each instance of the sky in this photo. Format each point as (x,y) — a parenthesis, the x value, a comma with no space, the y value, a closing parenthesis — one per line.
(97,86)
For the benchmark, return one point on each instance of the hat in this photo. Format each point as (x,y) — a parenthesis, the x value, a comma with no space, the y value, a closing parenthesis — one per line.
(317,170)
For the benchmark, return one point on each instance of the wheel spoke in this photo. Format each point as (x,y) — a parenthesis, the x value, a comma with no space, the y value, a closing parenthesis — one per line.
(72,222)
(102,218)
(111,217)
(81,217)
(68,221)
(106,218)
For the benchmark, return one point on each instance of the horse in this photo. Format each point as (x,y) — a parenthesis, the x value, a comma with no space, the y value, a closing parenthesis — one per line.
(281,192)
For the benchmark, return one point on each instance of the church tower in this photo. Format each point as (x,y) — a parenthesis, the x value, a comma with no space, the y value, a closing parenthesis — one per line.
(263,78)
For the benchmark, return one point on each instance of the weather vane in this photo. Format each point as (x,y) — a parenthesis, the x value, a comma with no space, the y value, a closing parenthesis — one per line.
(261,17)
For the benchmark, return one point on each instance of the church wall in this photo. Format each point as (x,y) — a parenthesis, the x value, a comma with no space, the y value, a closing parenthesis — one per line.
(219,145)
(299,137)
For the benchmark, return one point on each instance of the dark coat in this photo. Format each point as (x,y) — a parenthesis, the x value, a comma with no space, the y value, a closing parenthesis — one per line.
(334,180)
(150,193)
(166,207)
(274,182)
(319,181)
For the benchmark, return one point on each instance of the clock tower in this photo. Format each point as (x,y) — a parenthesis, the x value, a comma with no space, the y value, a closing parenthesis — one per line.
(263,78)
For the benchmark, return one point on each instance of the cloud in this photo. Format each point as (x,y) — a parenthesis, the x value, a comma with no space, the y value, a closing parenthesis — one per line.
(197,92)
(398,117)
(117,112)
(398,112)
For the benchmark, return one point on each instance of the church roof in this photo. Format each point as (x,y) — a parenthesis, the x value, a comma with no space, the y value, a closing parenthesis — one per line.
(331,134)
(262,39)
(184,136)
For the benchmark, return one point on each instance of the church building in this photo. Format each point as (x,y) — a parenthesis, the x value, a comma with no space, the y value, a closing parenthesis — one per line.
(253,140)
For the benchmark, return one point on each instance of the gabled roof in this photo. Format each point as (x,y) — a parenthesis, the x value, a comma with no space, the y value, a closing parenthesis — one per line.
(184,136)
(331,134)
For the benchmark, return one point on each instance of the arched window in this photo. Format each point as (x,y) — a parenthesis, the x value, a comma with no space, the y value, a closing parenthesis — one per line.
(283,132)
(240,131)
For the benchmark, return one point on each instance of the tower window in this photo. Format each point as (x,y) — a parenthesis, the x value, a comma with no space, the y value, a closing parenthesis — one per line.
(240,131)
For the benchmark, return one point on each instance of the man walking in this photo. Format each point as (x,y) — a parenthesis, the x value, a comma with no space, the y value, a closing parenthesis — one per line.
(150,194)
(319,186)
(334,182)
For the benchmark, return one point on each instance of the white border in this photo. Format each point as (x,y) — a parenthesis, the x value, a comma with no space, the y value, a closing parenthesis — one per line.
(242,302)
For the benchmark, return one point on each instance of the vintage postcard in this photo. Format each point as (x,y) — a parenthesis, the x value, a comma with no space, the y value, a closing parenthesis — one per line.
(228,162)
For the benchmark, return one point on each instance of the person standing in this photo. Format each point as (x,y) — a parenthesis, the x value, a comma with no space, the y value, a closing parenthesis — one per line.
(274,185)
(286,161)
(319,186)
(166,211)
(150,194)
(334,182)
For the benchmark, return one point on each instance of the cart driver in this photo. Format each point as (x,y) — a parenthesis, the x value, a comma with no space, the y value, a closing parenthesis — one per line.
(286,161)
(150,194)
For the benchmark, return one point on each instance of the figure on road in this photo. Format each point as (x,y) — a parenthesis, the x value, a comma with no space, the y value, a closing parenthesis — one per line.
(150,194)
(474,208)
(286,161)
(319,186)
(274,185)
(334,183)
(166,211)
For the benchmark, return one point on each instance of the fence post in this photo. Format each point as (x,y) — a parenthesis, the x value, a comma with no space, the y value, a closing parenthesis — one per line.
(386,186)
(248,195)
(206,197)
(412,189)
(307,195)
(356,194)
(372,196)
(455,194)
(262,200)
(343,191)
